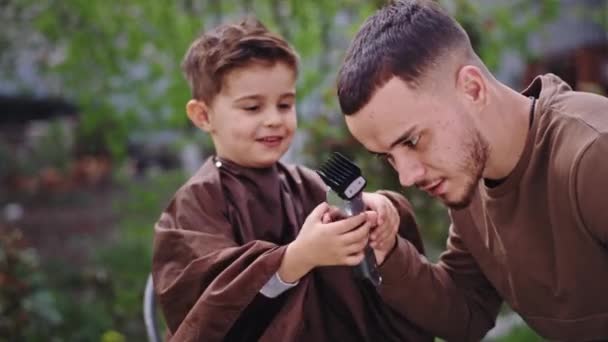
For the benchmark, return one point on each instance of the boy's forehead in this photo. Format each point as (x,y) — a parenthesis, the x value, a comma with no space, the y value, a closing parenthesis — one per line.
(257,78)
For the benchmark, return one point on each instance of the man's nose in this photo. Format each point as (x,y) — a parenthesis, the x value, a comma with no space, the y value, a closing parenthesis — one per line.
(411,171)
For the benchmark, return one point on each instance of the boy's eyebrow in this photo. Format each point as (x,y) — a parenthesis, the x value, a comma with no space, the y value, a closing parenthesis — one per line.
(258,96)
(249,97)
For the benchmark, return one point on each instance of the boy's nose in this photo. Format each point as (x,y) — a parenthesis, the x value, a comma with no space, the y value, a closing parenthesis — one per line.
(272,118)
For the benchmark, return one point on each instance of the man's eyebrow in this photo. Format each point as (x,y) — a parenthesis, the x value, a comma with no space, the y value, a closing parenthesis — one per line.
(377,154)
(403,137)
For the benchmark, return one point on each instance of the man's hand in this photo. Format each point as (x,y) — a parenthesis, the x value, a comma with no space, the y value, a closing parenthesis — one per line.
(384,234)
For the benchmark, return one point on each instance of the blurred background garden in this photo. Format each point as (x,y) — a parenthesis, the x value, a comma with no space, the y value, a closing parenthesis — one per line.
(94,139)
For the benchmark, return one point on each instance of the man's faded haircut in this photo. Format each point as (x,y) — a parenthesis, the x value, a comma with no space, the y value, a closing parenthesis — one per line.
(230,46)
(404,39)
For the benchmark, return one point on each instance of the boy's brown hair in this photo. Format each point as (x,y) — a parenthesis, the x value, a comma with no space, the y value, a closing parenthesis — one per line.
(227,47)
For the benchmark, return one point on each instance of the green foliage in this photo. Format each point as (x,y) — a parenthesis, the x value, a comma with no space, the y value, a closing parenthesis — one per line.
(28,311)
(113,336)
(50,149)
(103,301)
(501,29)
(120,62)
(127,259)
(520,334)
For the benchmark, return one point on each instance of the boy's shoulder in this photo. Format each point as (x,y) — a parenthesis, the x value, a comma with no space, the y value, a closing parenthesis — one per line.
(300,173)
(204,182)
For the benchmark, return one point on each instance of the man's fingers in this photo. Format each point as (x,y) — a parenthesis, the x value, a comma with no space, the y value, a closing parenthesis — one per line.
(372,217)
(382,212)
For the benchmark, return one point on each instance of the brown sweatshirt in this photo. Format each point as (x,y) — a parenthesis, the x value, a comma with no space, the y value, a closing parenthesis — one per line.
(222,238)
(538,241)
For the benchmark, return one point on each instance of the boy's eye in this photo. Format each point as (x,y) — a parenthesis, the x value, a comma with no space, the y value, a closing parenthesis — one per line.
(285,105)
(251,108)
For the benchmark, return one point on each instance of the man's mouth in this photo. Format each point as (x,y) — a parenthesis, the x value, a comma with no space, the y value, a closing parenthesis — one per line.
(434,188)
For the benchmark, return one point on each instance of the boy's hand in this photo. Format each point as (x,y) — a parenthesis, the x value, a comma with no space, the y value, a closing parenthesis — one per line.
(334,243)
(320,243)
(384,235)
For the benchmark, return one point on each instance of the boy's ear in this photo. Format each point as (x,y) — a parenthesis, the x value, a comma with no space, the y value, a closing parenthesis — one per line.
(198,113)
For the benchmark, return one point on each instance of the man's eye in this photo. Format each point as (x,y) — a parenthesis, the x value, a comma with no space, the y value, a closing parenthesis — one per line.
(385,157)
(412,142)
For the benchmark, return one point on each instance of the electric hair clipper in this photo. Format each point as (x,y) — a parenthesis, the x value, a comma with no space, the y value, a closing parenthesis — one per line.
(345,180)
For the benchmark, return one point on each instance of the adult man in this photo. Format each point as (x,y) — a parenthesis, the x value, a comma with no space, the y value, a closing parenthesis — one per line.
(522,174)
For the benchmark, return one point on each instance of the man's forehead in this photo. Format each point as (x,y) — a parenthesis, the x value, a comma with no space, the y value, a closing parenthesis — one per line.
(392,110)
(371,129)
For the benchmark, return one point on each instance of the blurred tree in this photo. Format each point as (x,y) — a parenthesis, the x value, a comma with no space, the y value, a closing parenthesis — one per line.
(120,62)
(28,311)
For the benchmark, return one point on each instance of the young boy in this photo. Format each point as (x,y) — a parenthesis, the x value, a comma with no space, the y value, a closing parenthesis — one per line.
(238,251)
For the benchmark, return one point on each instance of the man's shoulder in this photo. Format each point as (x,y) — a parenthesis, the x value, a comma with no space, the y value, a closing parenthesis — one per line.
(569,124)
(574,108)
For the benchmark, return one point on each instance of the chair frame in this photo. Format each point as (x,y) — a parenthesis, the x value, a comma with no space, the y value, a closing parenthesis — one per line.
(149,306)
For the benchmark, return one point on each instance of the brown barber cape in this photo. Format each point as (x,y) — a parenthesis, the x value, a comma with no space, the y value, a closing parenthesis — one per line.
(222,238)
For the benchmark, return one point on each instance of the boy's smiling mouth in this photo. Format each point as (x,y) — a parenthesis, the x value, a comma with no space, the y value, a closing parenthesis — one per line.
(271,140)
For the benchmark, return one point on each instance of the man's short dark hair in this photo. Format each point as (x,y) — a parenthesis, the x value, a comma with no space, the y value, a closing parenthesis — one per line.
(403,39)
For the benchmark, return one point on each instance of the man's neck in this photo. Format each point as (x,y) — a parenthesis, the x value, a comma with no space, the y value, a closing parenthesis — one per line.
(506,130)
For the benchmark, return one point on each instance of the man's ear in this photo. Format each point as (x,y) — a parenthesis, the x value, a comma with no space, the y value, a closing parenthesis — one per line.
(472,84)
(198,113)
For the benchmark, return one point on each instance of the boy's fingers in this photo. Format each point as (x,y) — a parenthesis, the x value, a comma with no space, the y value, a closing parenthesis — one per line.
(354,259)
(318,212)
(356,247)
(335,213)
(357,235)
(326,218)
(347,224)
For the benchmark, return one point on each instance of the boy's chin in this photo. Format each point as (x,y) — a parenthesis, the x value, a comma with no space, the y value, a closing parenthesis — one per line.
(264,163)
